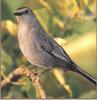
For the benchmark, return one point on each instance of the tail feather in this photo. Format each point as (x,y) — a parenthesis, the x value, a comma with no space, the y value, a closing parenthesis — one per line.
(80,71)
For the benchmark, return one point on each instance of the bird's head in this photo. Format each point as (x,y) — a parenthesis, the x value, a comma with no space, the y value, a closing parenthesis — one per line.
(24,14)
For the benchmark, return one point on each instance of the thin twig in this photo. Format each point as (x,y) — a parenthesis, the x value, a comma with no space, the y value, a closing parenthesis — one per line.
(37,83)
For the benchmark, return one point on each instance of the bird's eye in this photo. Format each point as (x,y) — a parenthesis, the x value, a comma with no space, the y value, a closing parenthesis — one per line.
(26,12)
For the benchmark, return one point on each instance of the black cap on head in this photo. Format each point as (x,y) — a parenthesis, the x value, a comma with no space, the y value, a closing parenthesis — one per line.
(20,11)
(21,8)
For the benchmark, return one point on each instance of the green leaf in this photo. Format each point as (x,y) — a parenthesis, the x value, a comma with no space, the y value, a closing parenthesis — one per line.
(32,92)
(27,84)
(28,88)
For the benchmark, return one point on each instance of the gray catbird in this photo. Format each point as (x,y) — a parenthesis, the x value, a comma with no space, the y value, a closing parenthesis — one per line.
(39,48)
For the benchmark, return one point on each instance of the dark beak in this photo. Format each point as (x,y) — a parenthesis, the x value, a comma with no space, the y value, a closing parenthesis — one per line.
(17,13)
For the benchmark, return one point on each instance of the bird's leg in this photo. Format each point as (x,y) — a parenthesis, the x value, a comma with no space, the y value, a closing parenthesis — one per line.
(35,68)
(44,71)
(32,74)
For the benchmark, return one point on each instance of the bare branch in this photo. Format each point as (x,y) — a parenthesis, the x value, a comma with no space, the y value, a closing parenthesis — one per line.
(22,71)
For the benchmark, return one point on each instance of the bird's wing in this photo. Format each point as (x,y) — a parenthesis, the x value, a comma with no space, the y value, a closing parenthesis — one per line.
(53,48)
(48,44)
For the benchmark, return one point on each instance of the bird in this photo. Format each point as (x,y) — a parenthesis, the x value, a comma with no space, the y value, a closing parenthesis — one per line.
(40,48)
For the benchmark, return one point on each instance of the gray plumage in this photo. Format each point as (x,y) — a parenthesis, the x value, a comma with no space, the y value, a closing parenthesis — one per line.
(39,48)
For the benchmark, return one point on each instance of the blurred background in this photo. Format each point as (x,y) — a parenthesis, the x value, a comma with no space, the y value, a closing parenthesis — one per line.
(72,23)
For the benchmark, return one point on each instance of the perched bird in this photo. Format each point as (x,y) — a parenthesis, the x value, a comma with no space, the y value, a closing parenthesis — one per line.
(39,48)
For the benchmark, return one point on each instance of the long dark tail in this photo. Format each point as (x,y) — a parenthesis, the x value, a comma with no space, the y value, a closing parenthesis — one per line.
(80,71)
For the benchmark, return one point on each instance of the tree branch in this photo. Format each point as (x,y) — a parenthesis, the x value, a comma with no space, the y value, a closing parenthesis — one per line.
(22,71)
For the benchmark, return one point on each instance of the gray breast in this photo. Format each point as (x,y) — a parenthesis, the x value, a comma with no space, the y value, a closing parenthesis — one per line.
(32,52)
